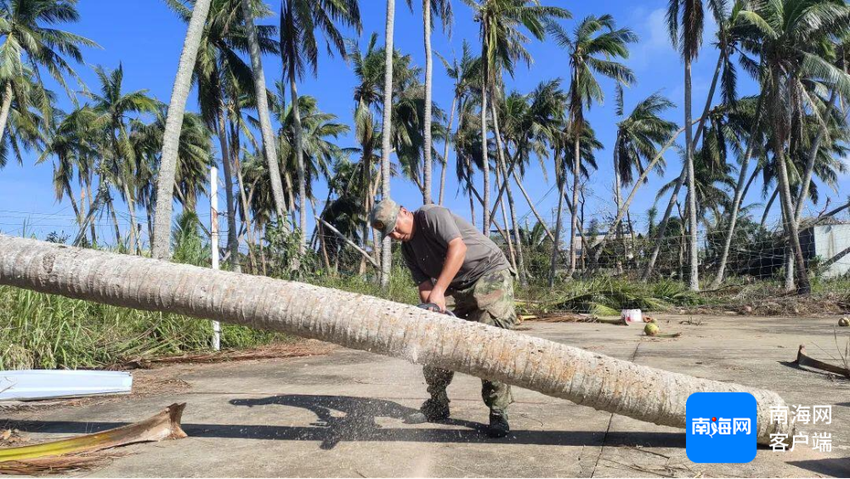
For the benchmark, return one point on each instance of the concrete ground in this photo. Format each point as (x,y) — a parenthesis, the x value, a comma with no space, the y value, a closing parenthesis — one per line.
(341,414)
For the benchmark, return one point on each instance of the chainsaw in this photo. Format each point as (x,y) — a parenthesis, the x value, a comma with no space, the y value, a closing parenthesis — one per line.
(435,309)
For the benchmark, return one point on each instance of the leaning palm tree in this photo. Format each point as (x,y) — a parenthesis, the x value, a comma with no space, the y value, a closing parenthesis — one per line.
(502,46)
(788,33)
(31,41)
(462,73)
(299,22)
(371,324)
(113,108)
(161,241)
(443,10)
(594,37)
(686,35)
(254,48)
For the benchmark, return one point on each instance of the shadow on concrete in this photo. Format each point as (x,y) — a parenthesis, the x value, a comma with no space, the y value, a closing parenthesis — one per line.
(831,467)
(345,418)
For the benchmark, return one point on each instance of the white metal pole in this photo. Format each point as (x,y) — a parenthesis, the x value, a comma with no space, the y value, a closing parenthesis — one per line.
(216,342)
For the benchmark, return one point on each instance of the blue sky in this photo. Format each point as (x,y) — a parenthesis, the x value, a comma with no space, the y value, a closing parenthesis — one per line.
(147,37)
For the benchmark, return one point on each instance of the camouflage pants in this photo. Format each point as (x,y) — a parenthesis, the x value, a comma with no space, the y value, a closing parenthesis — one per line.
(490,301)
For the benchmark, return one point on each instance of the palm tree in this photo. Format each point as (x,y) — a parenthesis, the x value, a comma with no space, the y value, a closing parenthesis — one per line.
(112,109)
(31,41)
(463,74)
(29,119)
(299,22)
(386,128)
(255,50)
(502,46)
(224,79)
(593,37)
(160,243)
(365,323)
(790,32)
(443,10)
(686,35)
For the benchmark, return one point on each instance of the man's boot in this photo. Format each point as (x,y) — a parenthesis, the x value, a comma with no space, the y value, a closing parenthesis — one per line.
(432,410)
(499,426)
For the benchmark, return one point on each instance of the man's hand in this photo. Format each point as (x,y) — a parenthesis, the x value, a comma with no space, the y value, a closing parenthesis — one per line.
(439,298)
(454,260)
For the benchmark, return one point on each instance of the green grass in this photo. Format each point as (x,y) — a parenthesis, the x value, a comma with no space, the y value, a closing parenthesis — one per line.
(43,331)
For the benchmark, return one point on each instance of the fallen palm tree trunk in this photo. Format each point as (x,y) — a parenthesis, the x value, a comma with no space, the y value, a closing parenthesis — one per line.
(362,322)
(165,425)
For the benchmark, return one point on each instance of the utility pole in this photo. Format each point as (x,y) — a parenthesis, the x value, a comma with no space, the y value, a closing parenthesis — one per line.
(216,342)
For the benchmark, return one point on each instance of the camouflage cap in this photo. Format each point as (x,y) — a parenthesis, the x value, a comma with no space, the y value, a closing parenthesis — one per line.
(384,216)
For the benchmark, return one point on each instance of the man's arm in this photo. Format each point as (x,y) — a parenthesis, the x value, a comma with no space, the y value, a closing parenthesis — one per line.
(425,289)
(454,260)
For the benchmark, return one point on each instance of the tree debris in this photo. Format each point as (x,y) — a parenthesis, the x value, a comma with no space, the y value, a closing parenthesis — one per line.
(805,360)
(74,453)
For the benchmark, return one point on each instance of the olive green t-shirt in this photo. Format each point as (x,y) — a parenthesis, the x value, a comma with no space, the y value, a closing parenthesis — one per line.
(425,253)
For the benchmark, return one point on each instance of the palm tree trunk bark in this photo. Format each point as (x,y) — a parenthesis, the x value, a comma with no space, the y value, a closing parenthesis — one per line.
(446,150)
(161,241)
(485,227)
(227,166)
(574,202)
(803,286)
(553,264)
(519,265)
(386,128)
(369,324)
(532,207)
(135,243)
(246,205)
(5,108)
(508,240)
(693,281)
(768,207)
(739,198)
(269,147)
(90,212)
(426,133)
(299,160)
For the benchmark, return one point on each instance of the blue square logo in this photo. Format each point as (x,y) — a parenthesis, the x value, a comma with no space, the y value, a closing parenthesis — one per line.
(721,427)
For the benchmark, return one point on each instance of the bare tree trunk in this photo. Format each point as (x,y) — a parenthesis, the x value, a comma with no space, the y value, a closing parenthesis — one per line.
(693,281)
(386,128)
(556,244)
(574,202)
(230,207)
(508,240)
(269,147)
(486,164)
(426,134)
(135,244)
(246,204)
(368,324)
(533,209)
(299,160)
(446,151)
(519,265)
(803,286)
(161,240)
(768,206)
